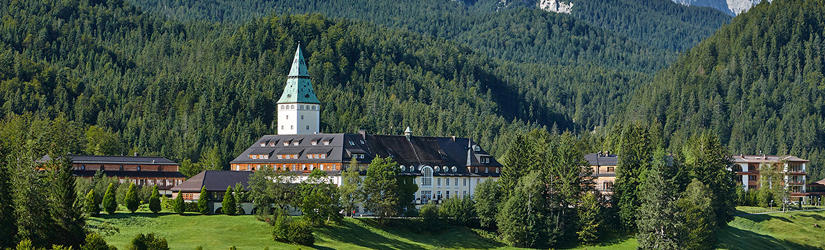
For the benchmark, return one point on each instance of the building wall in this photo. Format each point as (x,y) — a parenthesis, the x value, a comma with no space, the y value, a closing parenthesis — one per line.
(298,118)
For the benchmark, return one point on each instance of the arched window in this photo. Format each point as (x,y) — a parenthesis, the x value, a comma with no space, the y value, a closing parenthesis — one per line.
(403,168)
(427,178)
(455,169)
(437,168)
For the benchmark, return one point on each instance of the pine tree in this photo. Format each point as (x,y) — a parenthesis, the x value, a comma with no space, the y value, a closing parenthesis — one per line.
(659,222)
(8,230)
(109,201)
(132,201)
(91,206)
(695,205)
(66,209)
(154,200)
(178,205)
(635,151)
(523,219)
(590,218)
(203,201)
(228,204)
(708,162)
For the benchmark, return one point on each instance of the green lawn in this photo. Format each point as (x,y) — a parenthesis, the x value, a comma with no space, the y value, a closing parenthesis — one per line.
(793,230)
(245,232)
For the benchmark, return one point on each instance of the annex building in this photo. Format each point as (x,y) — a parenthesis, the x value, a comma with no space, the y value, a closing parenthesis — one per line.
(140,170)
(792,169)
(442,167)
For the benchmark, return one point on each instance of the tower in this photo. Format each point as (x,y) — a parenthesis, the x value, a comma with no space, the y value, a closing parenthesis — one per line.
(299,111)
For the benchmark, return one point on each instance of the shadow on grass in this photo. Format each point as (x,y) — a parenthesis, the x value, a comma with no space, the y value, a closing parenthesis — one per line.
(349,232)
(763,217)
(813,216)
(734,238)
(364,233)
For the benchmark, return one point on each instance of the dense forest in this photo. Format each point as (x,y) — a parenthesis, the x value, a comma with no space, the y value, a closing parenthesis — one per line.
(758,83)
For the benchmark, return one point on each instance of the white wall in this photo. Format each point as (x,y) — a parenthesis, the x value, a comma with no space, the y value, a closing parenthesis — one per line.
(297,118)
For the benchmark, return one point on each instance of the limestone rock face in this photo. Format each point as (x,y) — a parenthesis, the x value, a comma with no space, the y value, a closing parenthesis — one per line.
(732,7)
(555,6)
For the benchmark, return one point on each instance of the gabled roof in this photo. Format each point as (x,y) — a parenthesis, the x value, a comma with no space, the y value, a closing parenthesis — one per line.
(597,159)
(109,159)
(298,87)
(214,181)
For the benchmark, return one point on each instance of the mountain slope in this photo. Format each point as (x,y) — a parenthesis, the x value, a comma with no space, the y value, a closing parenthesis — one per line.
(757,82)
(731,7)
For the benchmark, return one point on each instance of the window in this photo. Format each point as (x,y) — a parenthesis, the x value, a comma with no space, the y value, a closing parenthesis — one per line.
(610,169)
(361,156)
(465,182)
(326,142)
(448,193)
(403,168)
(309,156)
(427,179)
(287,117)
(426,196)
(263,144)
(295,143)
(486,170)
(447,183)
(302,117)
(351,143)
(438,181)
(497,169)
(307,127)
(437,168)
(455,181)
(291,126)
(455,170)
(475,170)
(323,156)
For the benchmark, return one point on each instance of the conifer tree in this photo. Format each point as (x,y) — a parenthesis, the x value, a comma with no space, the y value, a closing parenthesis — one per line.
(523,219)
(132,201)
(178,205)
(659,221)
(203,201)
(590,218)
(695,205)
(709,161)
(154,200)
(636,154)
(91,206)
(487,198)
(109,201)
(66,208)
(381,188)
(228,204)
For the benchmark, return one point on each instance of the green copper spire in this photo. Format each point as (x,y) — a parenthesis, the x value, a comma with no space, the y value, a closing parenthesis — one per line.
(298,86)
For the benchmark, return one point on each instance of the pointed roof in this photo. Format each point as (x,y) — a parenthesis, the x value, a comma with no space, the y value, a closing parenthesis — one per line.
(298,87)
(299,65)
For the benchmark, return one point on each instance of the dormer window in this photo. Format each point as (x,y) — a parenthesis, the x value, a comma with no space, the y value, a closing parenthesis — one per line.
(326,142)
(280,156)
(323,156)
(351,143)
(253,156)
(403,168)
(309,156)
(497,169)
(476,148)
(454,169)
(263,144)
(314,142)
(295,143)
(286,143)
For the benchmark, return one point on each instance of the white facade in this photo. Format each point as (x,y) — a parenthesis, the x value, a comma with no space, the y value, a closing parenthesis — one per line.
(299,118)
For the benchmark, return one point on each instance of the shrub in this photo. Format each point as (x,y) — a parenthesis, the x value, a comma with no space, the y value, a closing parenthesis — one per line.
(132,201)
(203,201)
(429,217)
(95,242)
(25,244)
(109,201)
(148,242)
(228,204)
(91,205)
(300,232)
(154,200)
(178,205)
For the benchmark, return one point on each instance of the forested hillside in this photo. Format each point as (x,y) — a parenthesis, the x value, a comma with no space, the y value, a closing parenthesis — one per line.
(195,90)
(757,82)
(512,33)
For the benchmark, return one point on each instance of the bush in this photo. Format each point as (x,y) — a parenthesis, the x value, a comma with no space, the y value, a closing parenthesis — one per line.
(203,201)
(132,201)
(91,205)
(148,242)
(299,232)
(154,200)
(178,205)
(429,217)
(95,242)
(109,201)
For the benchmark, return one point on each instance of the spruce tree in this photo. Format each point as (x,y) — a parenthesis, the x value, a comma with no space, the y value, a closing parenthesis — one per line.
(8,230)
(66,209)
(590,218)
(695,205)
(203,201)
(228,203)
(109,201)
(487,198)
(659,221)
(154,200)
(709,161)
(132,201)
(522,221)
(178,205)
(91,206)
(636,154)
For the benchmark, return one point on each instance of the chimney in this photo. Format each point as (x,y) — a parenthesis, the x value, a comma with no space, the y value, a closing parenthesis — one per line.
(136,154)
(363,133)
(408,133)
(453,138)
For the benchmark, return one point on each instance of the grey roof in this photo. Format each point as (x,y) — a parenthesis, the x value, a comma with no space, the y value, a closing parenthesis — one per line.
(107,159)
(130,174)
(415,151)
(214,181)
(597,159)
